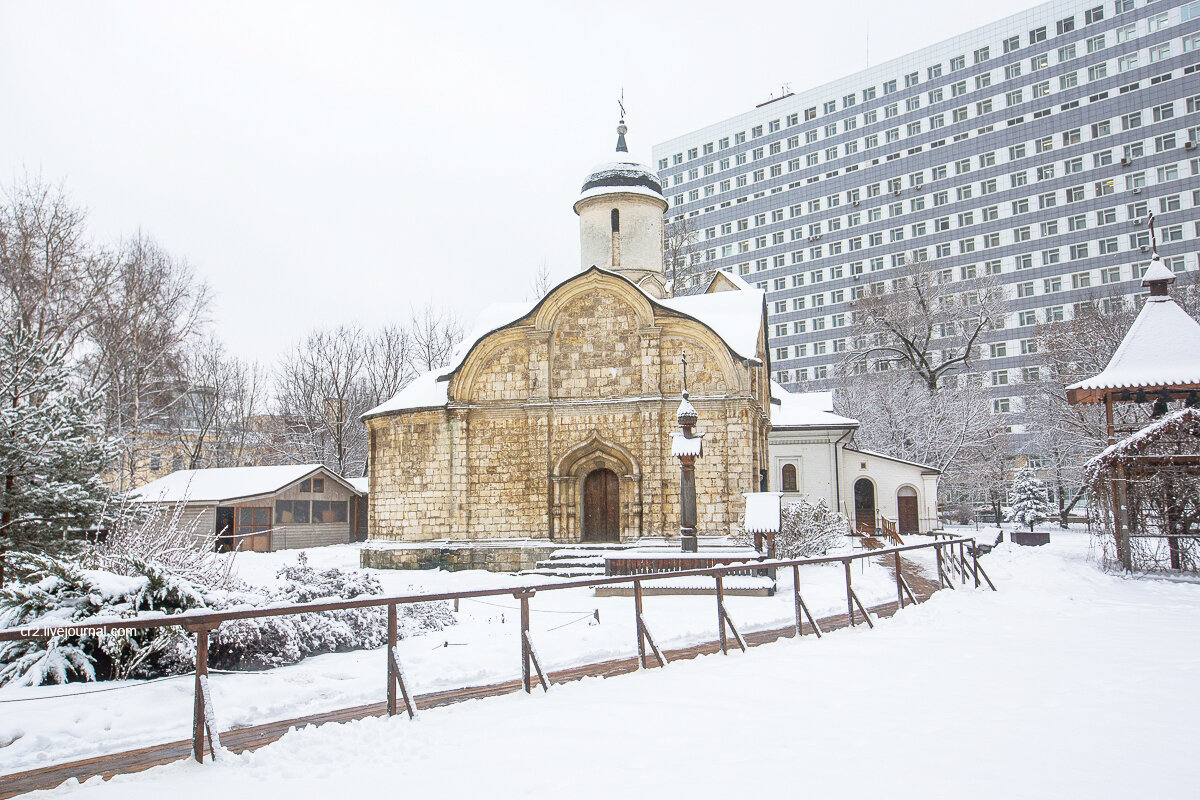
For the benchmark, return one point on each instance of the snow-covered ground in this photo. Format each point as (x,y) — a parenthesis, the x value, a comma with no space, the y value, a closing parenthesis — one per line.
(1067,683)
(54,724)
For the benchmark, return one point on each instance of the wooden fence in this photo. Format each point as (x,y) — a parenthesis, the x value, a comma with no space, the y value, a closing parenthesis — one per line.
(956,560)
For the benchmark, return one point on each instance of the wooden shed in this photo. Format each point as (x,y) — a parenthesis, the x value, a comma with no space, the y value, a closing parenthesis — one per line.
(262,508)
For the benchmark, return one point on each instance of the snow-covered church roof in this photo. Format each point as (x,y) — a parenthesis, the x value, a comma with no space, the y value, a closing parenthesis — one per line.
(1161,348)
(805,410)
(735,317)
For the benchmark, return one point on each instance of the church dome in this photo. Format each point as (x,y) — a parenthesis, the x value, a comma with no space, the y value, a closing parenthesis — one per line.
(622,172)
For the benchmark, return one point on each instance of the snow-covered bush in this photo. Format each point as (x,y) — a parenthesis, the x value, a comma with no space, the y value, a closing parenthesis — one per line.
(805,529)
(274,641)
(58,591)
(1029,500)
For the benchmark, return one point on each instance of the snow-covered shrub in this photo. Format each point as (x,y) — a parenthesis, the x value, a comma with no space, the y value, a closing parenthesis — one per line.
(805,529)
(275,641)
(58,591)
(1029,500)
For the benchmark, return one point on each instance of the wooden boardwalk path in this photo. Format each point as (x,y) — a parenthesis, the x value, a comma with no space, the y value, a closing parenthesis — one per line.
(249,738)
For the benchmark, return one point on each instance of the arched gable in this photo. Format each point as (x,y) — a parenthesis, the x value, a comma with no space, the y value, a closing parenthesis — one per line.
(481,377)
(584,456)
(711,368)
(591,281)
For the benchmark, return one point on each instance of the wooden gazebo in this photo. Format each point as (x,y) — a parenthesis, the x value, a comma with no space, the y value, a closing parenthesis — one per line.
(1157,362)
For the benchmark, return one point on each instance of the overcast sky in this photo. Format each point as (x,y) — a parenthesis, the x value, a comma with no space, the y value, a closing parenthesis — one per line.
(320,163)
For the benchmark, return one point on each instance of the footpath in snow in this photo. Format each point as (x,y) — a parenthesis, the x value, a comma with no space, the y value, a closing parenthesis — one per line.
(1067,683)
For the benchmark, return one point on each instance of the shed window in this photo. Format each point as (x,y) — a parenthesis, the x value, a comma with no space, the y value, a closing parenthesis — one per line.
(327,511)
(291,512)
(318,485)
(788,478)
(252,520)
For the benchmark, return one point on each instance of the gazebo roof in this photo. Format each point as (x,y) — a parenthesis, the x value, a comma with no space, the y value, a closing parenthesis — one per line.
(1160,351)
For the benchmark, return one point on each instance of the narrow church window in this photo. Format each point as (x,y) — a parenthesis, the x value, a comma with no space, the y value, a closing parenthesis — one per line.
(616,238)
(788,482)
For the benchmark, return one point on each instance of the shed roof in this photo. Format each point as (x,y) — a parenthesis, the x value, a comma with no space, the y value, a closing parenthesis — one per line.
(226,484)
(1161,349)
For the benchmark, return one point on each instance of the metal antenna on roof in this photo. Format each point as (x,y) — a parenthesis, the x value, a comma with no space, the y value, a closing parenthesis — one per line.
(1153,239)
(621,103)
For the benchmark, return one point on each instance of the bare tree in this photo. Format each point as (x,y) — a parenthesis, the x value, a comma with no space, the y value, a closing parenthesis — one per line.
(138,329)
(683,256)
(923,320)
(951,429)
(319,397)
(50,275)
(214,420)
(541,284)
(435,334)
(388,363)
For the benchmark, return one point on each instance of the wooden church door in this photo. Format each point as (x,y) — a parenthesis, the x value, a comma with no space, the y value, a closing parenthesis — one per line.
(601,507)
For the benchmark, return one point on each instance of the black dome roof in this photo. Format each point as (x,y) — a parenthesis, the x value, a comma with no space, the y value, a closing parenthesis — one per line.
(622,173)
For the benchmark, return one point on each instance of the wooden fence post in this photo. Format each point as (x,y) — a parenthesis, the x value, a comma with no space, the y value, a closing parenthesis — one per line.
(526,682)
(637,613)
(391,667)
(203,718)
(721,613)
(198,705)
(849,592)
(801,607)
(899,583)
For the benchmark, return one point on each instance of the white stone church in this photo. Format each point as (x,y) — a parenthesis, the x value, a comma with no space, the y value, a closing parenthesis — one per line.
(552,423)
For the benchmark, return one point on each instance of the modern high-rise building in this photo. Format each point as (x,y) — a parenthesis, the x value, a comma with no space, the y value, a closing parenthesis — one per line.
(1032,149)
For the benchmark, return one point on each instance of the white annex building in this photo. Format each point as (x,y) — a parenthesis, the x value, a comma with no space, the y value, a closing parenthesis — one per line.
(812,454)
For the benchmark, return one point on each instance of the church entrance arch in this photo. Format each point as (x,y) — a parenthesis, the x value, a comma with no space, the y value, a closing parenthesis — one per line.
(864,506)
(601,506)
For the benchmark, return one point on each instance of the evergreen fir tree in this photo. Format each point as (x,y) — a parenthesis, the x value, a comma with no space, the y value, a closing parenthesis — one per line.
(52,449)
(1029,500)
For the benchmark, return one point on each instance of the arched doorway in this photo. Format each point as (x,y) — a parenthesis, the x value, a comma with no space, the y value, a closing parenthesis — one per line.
(906,510)
(601,506)
(864,506)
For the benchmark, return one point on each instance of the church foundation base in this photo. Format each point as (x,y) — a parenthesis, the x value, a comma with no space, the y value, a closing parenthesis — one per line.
(453,555)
